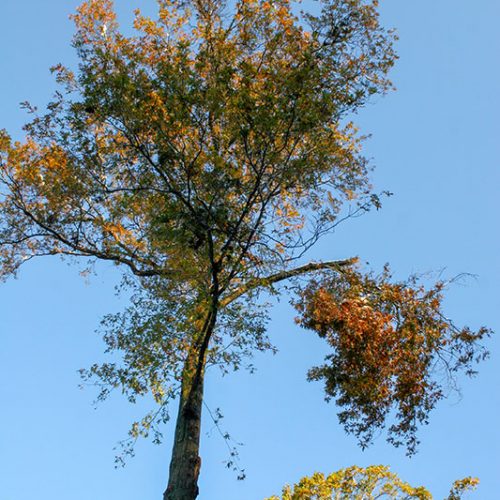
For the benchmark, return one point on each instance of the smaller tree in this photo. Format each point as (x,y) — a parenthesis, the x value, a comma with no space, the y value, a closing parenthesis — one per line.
(370,483)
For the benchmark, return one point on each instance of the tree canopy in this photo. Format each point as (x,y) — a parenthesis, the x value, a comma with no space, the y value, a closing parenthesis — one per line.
(205,154)
(370,483)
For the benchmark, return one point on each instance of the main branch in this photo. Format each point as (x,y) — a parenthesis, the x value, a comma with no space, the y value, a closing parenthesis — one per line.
(334,265)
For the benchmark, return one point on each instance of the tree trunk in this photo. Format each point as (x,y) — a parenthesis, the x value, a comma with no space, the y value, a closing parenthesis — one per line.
(185,463)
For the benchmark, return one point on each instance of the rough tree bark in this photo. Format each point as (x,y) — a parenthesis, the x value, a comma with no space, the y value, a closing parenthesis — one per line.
(185,463)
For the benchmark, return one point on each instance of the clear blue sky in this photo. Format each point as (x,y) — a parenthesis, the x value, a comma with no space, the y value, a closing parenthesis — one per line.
(436,146)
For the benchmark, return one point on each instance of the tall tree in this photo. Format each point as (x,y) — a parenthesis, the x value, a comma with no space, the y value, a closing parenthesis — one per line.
(205,155)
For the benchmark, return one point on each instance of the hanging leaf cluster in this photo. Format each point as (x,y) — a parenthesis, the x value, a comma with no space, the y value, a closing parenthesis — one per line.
(393,350)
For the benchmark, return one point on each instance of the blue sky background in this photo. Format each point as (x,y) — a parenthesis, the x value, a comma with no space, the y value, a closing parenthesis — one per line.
(435,143)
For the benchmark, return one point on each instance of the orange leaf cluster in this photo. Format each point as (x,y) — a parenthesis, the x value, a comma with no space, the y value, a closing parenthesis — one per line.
(389,340)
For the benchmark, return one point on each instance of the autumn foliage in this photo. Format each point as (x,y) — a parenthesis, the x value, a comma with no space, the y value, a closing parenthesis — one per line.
(204,154)
(393,350)
(196,136)
(370,483)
